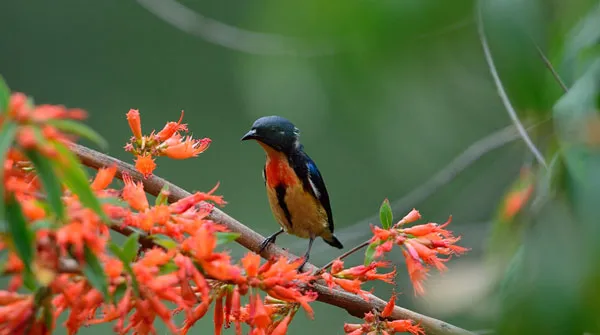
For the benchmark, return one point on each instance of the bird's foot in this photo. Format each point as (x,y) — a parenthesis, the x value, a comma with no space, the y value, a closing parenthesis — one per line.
(266,242)
(299,269)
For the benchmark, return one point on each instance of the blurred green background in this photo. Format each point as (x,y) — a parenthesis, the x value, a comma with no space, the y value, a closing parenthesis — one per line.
(385,93)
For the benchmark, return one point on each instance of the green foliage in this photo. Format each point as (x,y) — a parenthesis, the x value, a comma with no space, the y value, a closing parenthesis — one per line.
(127,254)
(7,135)
(81,130)
(50,180)
(369,253)
(76,179)
(226,237)
(4,95)
(95,274)
(385,214)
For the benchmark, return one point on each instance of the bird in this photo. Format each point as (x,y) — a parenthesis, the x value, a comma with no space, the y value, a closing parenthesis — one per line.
(295,188)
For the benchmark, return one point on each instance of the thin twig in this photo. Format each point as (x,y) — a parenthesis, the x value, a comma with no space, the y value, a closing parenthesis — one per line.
(191,22)
(503,96)
(251,240)
(549,66)
(344,255)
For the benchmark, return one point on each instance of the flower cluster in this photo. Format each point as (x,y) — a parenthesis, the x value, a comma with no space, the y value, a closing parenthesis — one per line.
(421,245)
(376,323)
(167,142)
(61,255)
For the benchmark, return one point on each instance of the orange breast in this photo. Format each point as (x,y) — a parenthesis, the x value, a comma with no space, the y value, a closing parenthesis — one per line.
(278,171)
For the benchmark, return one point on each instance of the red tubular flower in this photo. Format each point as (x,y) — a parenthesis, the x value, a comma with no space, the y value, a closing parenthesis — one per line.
(170,129)
(389,308)
(405,326)
(218,316)
(134,194)
(259,315)
(145,165)
(186,148)
(103,178)
(412,216)
(282,326)
(416,271)
(135,123)
(251,262)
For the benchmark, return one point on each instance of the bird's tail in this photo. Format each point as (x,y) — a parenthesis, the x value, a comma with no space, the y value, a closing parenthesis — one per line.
(333,241)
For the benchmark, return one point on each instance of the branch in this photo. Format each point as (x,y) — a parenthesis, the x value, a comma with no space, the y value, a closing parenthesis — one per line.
(227,36)
(502,93)
(251,240)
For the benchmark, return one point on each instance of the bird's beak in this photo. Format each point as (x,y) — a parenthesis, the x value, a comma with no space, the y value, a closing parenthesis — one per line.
(251,135)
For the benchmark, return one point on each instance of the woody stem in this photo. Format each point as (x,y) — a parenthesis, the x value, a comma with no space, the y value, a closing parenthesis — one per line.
(344,255)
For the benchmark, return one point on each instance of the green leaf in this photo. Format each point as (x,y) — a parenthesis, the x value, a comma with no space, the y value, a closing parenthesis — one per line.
(114,201)
(7,135)
(19,231)
(164,241)
(385,214)
(119,292)
(4,95)
(126,259)
(163,196)
(95,273)
(50,181)
(42,224)
(76,180)
(130,247)
(226,237)
(80,129)
(370,252)
(168,268)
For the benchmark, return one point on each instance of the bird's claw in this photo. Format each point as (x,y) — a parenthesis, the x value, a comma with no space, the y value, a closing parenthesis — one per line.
(266,243)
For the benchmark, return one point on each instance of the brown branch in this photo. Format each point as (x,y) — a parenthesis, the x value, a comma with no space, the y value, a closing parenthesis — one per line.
(251,240)
(344,255)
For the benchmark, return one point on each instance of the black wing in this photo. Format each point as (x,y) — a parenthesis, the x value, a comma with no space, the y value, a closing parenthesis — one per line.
(312,181)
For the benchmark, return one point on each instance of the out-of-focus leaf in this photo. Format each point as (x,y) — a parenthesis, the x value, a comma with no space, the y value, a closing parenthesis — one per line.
(385,214)
(114,201)
(7,135)
(163,196)
(164,241)
(126,255)
(130,247)
(119,292)
(80,129)
(50,181)
(582,37)
(4,95)
(42,224)
(20,232)
(168,268)
(369,253)
(95,273)
(76,180)
(226,237)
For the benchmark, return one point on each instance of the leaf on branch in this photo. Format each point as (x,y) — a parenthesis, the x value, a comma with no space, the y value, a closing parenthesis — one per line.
(163,196)
(50,181)
(80,129)
(76,180)
(226,237)
(127,255)
(95,273)
(4,95)
(7,135)
(385,214)
(369,253)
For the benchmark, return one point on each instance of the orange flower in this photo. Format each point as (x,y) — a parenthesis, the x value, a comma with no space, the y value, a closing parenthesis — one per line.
(170,129)
(186,148)
(135,123)
(282,326)
(405,326)
(416,272)
(259,315)
(145,165)
(103,178)
(389,308)
(251,262)
(412,216)
(134,194)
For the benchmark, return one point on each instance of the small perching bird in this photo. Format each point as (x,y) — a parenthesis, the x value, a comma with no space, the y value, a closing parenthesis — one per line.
(295,189)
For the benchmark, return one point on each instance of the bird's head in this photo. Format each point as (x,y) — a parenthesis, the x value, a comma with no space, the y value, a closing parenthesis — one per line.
(275,132)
